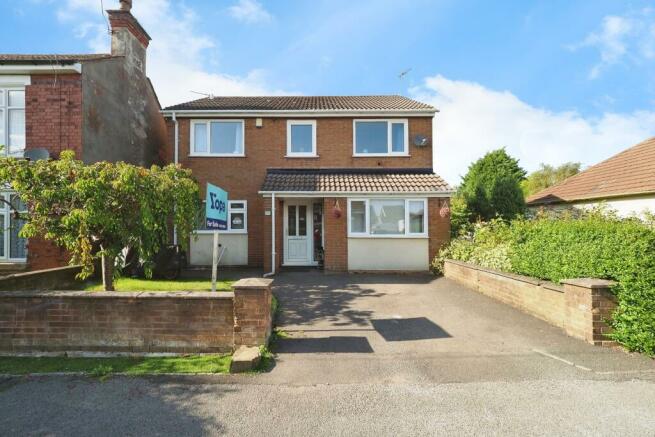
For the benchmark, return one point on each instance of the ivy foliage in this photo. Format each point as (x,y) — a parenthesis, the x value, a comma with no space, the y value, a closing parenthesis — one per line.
(97,210)
(589,245)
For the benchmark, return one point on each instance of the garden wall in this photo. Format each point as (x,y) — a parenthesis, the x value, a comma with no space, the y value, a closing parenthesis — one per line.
(145,322)
(579,306)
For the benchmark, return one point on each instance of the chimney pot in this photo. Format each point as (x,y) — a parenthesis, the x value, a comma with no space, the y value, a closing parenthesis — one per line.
(126,5)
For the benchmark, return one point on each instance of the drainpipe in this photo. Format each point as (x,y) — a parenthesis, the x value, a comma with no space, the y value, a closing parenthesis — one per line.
(175,158)
(272,272)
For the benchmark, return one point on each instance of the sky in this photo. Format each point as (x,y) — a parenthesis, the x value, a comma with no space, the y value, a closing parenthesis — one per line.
(551,81)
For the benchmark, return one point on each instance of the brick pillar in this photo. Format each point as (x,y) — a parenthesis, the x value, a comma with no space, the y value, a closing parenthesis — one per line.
(279,244)
(335,235)
(252,311)
(438,224)
(589,302)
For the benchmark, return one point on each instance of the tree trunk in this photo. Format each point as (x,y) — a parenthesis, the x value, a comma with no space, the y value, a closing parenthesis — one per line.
(107,273)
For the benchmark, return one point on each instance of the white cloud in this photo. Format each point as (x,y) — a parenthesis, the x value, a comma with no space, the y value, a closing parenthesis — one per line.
(631,36)
(178,54)
(474,120)
(250,11)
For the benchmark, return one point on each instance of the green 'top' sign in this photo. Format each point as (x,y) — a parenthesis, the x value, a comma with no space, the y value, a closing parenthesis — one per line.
(216,208)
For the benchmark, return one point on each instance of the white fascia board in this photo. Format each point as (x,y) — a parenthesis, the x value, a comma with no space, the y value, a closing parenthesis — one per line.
(304,113)
(357,194)
(40,69)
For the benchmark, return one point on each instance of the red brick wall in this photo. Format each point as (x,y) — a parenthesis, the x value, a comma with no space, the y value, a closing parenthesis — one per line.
(439,224)
(580,306)
(265,148)
(53,120)
(53,113)
(335,231)
(252,311)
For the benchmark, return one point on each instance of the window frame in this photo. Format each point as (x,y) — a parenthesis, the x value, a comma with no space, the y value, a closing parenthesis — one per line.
(5,108)
(230,210)
(290,152)
(390,122)
(207,122)
(5,222)
(367,218)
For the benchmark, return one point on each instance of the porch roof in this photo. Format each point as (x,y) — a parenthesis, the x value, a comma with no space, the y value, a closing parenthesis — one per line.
(354,180)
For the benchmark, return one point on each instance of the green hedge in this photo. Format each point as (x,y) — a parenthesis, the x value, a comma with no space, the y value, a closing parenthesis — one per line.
(594,246)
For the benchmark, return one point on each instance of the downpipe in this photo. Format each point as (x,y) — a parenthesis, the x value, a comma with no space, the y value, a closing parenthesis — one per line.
(272,272)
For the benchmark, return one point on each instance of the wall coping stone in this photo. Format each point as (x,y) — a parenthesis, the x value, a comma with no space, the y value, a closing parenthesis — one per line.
(37,272)
(253,283)
(76,294)
(592,283)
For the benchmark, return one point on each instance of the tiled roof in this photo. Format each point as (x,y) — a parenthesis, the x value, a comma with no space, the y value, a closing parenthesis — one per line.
(628,173)
(305,103)
(352,180)
(51,58)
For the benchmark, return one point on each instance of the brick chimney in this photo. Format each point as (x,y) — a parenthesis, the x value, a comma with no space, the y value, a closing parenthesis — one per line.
(128,38)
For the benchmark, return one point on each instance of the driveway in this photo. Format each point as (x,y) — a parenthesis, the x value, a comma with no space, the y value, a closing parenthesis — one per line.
(368,355)
(418,328)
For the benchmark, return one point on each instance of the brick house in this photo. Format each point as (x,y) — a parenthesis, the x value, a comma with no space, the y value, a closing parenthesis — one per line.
(102,106)
(342,181)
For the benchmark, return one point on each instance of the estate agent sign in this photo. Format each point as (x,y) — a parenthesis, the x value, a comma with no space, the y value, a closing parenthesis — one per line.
(216,208)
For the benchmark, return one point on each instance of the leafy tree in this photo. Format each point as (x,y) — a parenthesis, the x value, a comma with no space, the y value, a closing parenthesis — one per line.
(96,210)
(492,187)
(547,176)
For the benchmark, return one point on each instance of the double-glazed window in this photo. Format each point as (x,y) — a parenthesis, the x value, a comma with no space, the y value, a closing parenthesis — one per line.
(301,138)
(217,138)
(237,218)
(12,247)
(380,137)
(387,217)
(12,121)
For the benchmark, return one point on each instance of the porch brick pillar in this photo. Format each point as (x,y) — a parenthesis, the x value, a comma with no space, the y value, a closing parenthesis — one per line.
(335,234)
(253,320)
(588,304)
(438,225)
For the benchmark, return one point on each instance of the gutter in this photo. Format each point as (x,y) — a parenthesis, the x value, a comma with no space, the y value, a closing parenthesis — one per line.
(302,113)
(40,69)
(448,193)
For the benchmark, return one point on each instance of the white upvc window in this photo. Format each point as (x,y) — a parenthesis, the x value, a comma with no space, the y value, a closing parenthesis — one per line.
(12,247)
(388,218)
(237,218)
(12,120)
(377,137)
(301,138)
(217,138)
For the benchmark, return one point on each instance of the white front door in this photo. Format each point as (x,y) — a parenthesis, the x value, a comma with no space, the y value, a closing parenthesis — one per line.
(297,233)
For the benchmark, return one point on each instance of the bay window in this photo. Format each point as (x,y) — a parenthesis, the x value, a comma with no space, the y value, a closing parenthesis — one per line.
(392,217)
(12,121)
(217,138)
(380,137)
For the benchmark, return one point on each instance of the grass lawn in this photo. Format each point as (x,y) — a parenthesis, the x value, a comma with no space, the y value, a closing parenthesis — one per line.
(106,366)
(136,284)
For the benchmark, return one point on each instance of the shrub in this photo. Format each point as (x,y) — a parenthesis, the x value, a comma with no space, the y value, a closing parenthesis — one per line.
(592,245)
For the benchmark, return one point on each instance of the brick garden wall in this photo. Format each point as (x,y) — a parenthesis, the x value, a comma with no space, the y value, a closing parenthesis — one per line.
(579,306)
(178,322)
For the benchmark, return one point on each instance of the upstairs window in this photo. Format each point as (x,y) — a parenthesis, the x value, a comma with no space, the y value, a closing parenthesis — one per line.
(301,138)
(217,138)
(380,137)
(12,121)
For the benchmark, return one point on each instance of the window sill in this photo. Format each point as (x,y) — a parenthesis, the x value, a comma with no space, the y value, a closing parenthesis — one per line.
(394,237)
(210,232)
(381,155)
(209,155)
(302,156)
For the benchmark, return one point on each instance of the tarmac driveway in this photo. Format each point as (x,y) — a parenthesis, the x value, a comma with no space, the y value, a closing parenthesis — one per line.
(418,328)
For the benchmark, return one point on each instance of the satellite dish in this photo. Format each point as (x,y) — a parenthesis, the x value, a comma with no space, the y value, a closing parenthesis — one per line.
(36,154)
(420,141)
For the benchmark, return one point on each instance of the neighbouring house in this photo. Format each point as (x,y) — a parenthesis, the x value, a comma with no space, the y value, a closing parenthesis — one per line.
(102,106)
(624,183)
(340,181)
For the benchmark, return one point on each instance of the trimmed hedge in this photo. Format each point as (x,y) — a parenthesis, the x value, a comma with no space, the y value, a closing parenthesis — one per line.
(593,246)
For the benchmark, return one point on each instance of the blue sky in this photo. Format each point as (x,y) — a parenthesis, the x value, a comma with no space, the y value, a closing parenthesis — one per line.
(550,80)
